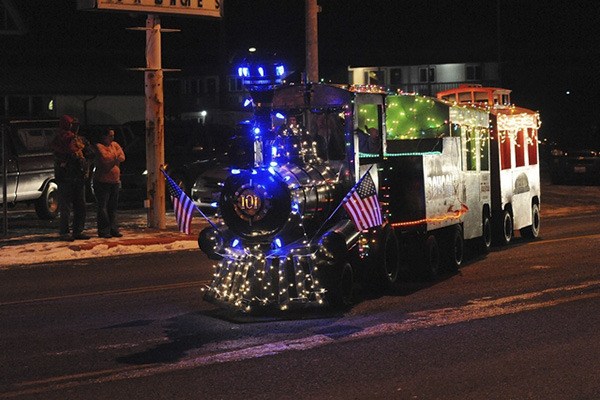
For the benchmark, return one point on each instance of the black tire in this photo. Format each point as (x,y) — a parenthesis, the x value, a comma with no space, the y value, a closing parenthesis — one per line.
(505,228)
(485,241)
(388,269)
(46,207)
(455,249)
(430,264)
(532,231)
(340,290)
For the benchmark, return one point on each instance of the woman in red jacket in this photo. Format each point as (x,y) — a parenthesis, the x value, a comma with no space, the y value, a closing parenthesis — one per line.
(107,181)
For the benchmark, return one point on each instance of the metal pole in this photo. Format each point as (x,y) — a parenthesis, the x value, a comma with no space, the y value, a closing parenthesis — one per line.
(155,130)
(498,39)
(4,185)
(312,41)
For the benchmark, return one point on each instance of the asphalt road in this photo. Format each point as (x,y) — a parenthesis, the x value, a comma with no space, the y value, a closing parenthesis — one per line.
(520,323)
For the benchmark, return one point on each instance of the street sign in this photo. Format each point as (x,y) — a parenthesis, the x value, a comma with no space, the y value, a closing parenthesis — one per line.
(201,8)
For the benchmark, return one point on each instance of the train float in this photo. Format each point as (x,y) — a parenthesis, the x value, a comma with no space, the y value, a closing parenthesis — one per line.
(437,172)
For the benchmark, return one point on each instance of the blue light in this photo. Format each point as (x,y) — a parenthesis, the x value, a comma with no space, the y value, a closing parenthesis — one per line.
(240,71)
(274,151)
(254,172)
(279,116)
(245,71)
(247,102)
(235,171)
(214,204)
(277,242)
(235,242)
(257,130)
(279,70)
(261,71)
(273,163)
(296,207)
(272,171)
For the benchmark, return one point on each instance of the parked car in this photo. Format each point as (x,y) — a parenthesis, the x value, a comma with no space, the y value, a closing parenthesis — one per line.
(190,149)
(239,153)
(29,163)
(578,166)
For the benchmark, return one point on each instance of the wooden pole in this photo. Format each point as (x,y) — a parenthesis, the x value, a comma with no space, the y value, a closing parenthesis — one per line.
(155,130)
(312,41)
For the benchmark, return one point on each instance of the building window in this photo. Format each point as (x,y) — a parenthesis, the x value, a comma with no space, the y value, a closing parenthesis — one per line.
(395,76)
(426,75)
(18,106)
(473,72)
(193,86)
(235,85)
(374,78)
(211,85)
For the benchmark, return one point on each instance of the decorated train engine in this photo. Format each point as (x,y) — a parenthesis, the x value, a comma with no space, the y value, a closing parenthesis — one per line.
(289,236)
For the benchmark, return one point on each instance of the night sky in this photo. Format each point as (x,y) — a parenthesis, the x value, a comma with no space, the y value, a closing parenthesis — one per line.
(546,48)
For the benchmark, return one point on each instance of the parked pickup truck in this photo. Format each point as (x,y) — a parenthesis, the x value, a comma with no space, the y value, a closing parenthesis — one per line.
(27,165)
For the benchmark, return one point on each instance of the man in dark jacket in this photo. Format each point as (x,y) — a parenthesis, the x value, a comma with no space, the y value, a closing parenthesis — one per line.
(72,159)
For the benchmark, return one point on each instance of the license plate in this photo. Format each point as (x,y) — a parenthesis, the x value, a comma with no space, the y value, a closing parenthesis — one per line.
(579,169)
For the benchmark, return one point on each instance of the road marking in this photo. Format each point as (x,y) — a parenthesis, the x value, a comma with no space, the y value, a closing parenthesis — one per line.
(476,309)
(143,289)
(545,241)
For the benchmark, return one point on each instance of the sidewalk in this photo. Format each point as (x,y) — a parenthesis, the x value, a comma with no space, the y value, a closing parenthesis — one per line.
(31,240)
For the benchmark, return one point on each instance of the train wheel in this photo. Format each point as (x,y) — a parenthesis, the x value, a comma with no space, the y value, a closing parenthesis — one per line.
(505,228)
(532,231)
(456,248)
(431,258)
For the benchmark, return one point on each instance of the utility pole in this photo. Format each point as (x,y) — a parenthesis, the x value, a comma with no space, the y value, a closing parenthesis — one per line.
(312,41)
(155,128)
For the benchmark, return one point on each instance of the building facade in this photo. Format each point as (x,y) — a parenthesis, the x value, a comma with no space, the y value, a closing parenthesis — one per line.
(425,79)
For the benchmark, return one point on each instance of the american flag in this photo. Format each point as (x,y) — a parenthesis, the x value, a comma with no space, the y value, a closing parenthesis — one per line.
(362,204)
(183,206)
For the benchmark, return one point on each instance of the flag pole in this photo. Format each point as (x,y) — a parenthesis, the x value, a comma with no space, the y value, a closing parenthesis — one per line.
(212,224)
(341,203)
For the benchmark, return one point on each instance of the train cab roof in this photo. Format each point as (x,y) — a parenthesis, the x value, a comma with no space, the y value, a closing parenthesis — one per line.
(477,94)
(313,96)
(497,99)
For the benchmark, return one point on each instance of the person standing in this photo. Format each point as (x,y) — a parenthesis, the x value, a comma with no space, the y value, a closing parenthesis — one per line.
(72,160)
(107,182)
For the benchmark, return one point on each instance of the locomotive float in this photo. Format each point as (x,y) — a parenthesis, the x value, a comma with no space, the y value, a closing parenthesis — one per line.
(432,172)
